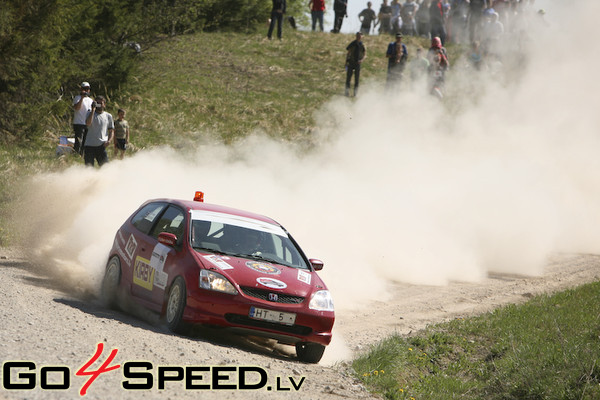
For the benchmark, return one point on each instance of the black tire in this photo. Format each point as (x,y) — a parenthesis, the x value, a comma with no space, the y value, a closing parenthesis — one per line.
(110,283)
(175,306)
(309,352)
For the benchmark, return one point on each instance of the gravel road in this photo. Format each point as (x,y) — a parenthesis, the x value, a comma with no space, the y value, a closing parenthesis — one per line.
(56,324)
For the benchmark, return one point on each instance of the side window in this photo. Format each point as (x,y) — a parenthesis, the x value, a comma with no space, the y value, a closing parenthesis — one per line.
(172,221)
(207,234)
(145,218)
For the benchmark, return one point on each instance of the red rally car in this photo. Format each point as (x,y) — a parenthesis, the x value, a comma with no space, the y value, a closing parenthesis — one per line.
(202,263)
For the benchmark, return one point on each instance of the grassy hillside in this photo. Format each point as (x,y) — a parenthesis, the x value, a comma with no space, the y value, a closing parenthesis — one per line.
(211,86)
(227,85)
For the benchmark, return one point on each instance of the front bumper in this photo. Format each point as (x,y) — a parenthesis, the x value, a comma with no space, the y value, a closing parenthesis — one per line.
(213,308)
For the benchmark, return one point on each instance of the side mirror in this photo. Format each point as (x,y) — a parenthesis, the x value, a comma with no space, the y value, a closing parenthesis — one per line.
(316,264)
(168,239)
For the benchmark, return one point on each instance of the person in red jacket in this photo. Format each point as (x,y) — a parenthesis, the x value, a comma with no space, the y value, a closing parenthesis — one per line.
(438,65)
(317,9)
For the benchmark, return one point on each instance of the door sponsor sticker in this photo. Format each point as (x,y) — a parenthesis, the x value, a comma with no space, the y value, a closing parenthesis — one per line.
(143,273)
(157,262)
(131,246)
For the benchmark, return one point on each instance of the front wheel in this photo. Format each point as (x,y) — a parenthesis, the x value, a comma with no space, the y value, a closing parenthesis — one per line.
(110,283)
(309,352)
(175,306)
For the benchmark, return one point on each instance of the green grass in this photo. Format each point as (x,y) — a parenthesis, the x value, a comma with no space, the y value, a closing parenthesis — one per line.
(548,348)
(226,86)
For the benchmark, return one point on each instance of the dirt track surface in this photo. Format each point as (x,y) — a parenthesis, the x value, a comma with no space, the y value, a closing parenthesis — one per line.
(51,323)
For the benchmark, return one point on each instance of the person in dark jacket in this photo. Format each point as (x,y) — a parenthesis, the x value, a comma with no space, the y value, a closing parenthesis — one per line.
(276,16)
(397,55)
(437,20)
(340,9)
(356,53)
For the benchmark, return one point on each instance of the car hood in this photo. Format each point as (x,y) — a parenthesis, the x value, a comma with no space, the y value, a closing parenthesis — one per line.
(263,275)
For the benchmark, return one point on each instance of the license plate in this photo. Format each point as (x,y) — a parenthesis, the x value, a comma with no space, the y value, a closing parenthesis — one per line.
(272,316)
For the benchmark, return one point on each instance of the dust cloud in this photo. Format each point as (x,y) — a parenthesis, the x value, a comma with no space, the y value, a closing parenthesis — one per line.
(397,188)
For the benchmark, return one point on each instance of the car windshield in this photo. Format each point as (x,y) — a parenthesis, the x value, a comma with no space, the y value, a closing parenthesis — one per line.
(244,237)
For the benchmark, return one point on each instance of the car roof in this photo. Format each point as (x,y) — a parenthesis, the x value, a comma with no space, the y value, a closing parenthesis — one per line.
(198,205)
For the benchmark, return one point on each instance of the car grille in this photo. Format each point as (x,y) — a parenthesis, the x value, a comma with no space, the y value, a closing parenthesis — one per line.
(247,321)
(264,295)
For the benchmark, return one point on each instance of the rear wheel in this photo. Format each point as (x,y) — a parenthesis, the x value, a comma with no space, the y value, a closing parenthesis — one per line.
(110,283)
(175,306)
(309,352)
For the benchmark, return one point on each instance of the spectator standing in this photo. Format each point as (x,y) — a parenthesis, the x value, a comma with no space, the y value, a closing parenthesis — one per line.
(476,8)
(438,65)
(317,8)
(436,47)
(397,55)
(476,57)
(457,29)
(121,134)
(423,23)
(409,14)
(396,20)
(82,104)
(419,66)
(356,53)
(340,10)
(366,18)
(385,17)
(437,21)
(276,17)
(491,34)
(100,132)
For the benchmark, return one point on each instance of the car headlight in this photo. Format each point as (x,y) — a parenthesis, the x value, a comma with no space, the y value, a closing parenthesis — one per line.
(321,301)
(214,281)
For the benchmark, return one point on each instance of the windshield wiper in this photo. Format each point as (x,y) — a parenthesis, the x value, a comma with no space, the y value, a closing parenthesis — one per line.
(207,249)
(257,256)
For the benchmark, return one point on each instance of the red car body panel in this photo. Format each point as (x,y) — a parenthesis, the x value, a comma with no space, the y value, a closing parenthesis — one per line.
(148,268)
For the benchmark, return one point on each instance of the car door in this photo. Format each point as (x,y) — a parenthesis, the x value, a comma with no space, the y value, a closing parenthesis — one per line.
(139,242)
(152,263)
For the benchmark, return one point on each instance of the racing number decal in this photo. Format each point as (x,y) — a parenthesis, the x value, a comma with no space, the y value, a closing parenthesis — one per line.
(143,273)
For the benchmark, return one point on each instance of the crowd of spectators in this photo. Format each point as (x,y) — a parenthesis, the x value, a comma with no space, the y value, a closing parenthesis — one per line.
(491,29)
(484,24)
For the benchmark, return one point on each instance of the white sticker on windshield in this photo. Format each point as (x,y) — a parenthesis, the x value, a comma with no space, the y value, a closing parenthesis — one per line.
(236,220)
(304,276)
(217,261)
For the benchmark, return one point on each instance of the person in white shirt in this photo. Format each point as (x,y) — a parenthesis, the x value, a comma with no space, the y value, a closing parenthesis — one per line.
(101,128)
(82,104)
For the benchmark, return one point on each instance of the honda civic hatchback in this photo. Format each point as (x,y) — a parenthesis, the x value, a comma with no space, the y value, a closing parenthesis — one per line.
(199,263)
